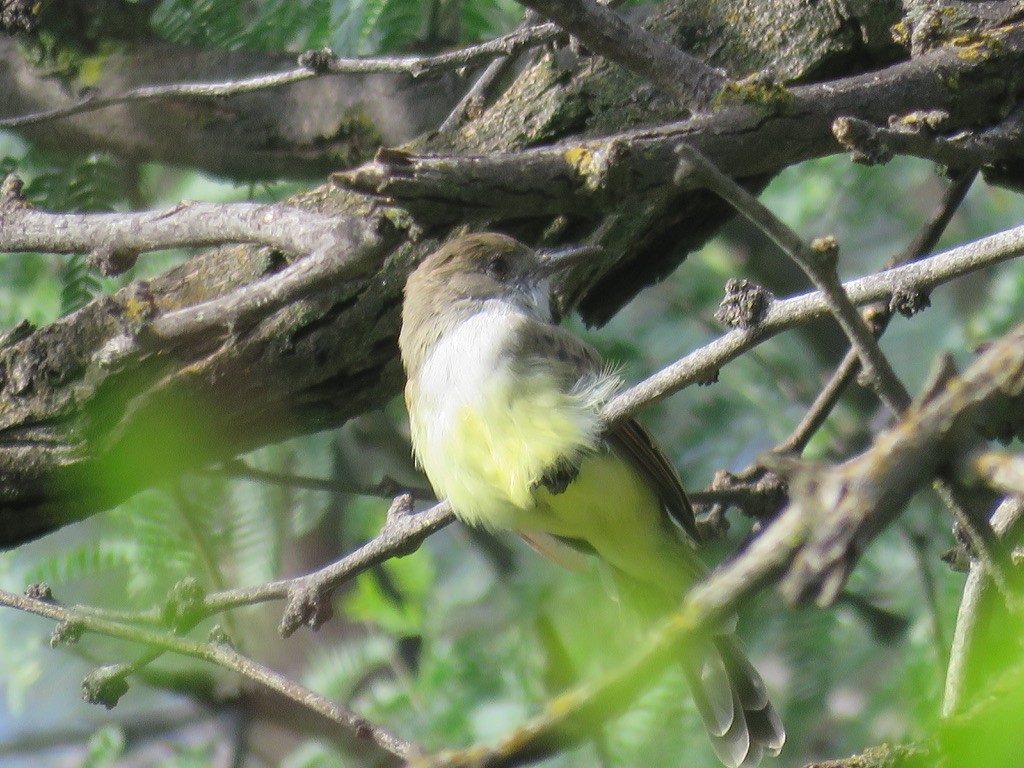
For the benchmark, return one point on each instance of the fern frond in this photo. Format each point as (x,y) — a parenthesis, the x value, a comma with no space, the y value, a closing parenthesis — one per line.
(335,671)
(200,23)
(254,532)
(88,560)
(78,283)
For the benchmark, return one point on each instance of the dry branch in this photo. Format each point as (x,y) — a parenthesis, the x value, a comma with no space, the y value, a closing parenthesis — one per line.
(217,651)
(849,504)
(312,64)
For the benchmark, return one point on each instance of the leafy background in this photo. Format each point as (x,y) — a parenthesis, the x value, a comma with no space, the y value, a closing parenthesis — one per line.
(465,638)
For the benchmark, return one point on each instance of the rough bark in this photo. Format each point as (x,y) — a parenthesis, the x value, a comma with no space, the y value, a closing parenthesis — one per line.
(82,428)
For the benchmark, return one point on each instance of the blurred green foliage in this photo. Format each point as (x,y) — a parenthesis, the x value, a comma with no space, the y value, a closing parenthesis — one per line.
(449,646)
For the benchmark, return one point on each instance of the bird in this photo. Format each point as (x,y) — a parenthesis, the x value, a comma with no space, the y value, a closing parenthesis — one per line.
(504,412)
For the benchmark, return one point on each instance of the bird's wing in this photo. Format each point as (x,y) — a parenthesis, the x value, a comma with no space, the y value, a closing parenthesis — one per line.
(630,438)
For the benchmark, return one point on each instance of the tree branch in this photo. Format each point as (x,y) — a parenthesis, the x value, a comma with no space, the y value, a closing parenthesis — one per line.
(702,364)
(979,591)
(924,135)
(216,652)
(877,316)
(816,261)
(114,240)
(355,248)
(851,503)
(743,139)
(691,81)
(388,487)
(312,64)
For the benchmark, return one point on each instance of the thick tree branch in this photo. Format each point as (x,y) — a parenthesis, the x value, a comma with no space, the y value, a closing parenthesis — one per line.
(114,240)
(692,82)
(743,140)
(355,247)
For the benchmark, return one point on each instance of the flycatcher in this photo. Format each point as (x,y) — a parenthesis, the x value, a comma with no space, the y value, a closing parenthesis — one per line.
(504,411)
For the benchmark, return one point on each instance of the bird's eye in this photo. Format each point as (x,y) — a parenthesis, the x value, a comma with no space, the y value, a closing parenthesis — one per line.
(497,267)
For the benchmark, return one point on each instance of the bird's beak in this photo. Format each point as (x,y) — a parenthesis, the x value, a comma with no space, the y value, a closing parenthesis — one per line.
(557,260)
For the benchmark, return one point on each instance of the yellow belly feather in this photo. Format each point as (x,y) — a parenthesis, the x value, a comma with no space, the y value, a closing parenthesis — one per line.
(490,456)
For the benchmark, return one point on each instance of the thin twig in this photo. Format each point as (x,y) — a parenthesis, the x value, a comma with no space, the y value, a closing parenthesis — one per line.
(601,29)
(474,98)
(878,316)
(309,595)
(224,656)
(203,545)
(883,756)
(318,64)
(822,406)
(816,262)
(977,593)
(923,556)
(386,488)
(703,364)
(986,545)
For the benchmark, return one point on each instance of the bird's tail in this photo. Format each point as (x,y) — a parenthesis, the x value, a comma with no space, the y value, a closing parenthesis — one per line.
(730,695)
(733,703)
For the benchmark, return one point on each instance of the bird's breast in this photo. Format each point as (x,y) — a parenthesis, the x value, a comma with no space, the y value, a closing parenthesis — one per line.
(486,433)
